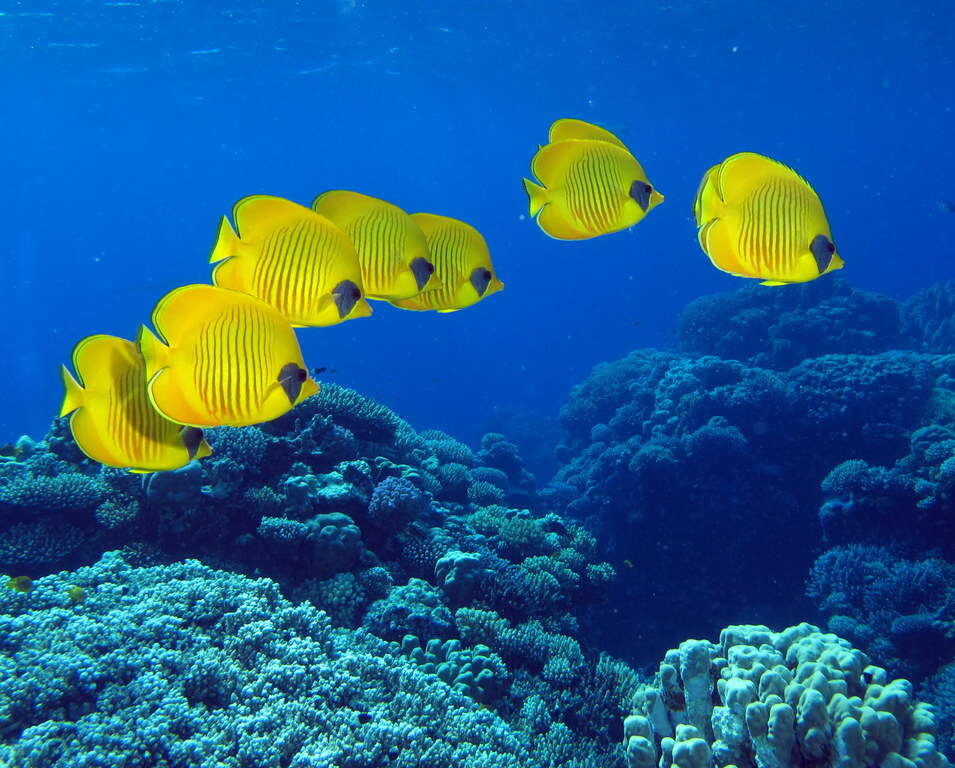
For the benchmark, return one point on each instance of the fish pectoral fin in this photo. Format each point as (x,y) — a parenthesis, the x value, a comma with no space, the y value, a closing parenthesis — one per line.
(773,282)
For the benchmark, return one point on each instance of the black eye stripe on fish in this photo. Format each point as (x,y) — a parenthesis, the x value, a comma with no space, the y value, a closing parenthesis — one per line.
(822,251)
(640,191)
(346,294)
(291,377)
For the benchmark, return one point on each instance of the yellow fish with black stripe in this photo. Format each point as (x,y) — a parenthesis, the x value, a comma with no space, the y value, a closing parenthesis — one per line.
(225,359)
(759,218)
(589,184)
(112,419)
(292,258)
(462,265)
(392,250)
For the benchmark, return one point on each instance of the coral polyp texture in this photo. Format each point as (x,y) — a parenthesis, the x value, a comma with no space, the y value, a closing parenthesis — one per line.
(788,699)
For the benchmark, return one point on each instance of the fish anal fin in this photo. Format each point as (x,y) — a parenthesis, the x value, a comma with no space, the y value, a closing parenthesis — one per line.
(554,224)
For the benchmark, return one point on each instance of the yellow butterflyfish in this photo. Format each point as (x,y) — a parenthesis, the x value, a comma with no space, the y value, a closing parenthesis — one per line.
(589,184)
(759,218)
(462,265)
(392,249)
(112,419)
(225,358)
(293,259)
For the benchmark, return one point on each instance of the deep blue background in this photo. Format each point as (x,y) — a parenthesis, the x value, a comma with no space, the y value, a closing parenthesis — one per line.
(129,128)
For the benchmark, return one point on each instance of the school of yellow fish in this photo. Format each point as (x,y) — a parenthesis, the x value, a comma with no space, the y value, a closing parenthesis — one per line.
(226,354)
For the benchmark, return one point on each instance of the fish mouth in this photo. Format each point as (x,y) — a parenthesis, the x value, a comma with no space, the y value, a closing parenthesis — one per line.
(480,279)
(292,377)
(346,295)
(422,269)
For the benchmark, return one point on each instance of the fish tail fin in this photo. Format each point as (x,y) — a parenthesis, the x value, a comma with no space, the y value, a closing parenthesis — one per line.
(74,396)
(155,353)
(227,242)
(537,194)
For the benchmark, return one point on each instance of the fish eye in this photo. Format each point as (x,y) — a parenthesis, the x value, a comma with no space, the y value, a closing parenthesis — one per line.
(355,294)
(831,247)
(301,374)
(487,274)
(430,269)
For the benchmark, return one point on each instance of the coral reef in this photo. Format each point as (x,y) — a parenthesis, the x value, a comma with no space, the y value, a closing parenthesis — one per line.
(798,697)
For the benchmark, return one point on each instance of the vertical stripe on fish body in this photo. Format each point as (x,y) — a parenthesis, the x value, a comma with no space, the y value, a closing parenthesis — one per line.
(112,419)
(225,358)
(391,248)
(294,259)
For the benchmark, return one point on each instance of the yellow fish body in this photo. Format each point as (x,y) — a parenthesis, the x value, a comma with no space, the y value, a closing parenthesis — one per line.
(759,218)
(225,359)
(462,265)
(112,419)
(392,250)
(589,184)
(292,258)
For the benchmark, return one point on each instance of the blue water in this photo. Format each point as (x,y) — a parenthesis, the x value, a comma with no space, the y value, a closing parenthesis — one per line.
(130,127)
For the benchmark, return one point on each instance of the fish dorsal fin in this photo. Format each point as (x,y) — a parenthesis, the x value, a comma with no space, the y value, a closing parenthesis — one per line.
(569,128)
(258,213)
(743,172)
(100,359)
(176,312)
(343,206)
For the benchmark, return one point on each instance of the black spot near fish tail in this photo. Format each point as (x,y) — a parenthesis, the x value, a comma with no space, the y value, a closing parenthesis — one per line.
(291,377)
(480,279)
(641,191)
(346,295)
(822,250)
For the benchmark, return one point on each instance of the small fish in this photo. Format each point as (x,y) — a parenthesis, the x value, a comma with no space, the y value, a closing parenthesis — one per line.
(391,248)
(225,359)
(759,218)
(292,258)
(462,265)
(112,419)
(946,206)
(76,594)
(628,563)
(589,184)
(23,584)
